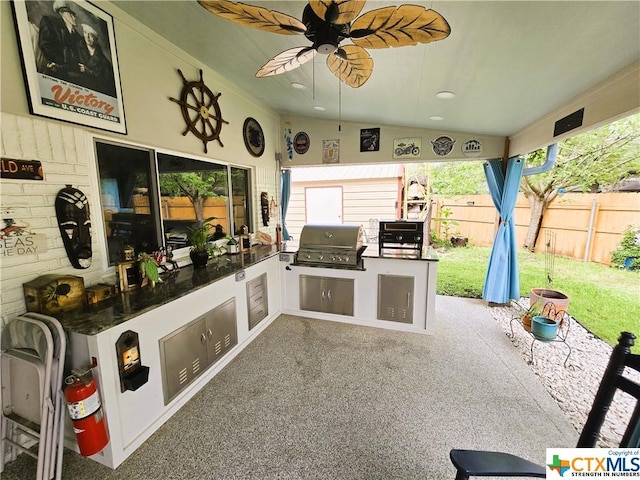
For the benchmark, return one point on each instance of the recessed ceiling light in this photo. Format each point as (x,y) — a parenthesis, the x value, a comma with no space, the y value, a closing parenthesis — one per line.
(436,118)
(319,108)
(445,95)
(297,86)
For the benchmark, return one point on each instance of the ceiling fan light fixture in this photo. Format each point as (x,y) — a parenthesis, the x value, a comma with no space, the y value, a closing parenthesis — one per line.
(445,95)
(326,48)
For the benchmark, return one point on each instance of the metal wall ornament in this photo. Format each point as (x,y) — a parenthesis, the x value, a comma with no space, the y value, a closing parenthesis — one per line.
(331,151)
(443,145)
(472,148)
(407,147)
(200,110)
(370,139)
(253,137)
(72,212)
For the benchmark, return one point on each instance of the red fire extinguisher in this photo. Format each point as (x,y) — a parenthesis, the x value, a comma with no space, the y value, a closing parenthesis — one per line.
(85,410)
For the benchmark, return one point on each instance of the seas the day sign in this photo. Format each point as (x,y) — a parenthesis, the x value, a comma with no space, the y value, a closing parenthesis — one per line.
(16,241)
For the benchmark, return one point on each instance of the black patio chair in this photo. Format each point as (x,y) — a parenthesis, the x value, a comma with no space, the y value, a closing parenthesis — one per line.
(472,463)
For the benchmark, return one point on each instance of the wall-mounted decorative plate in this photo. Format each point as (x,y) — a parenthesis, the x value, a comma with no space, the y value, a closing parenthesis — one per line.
(253,137)
(301,143)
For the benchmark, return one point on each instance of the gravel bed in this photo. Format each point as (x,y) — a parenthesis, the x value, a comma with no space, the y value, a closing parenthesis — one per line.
(574,386)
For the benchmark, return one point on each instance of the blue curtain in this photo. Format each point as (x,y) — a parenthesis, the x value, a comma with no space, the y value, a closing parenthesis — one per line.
(284,202)
(502,282)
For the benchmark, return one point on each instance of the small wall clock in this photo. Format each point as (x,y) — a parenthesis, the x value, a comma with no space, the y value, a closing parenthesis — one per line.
(253,137)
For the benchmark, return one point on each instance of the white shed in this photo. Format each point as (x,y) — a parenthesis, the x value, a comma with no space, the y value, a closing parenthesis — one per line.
(347,194)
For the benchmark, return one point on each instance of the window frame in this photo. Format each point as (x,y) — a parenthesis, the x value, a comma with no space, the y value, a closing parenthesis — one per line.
(155,200)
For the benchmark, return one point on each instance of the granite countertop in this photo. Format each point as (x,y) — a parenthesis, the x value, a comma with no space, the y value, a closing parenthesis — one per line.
(96,318)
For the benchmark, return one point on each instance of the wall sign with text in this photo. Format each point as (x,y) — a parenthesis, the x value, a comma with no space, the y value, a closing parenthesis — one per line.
(21,169)
(16,241)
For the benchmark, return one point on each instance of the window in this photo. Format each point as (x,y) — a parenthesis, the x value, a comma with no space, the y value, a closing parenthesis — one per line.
(150,199)
(129,202)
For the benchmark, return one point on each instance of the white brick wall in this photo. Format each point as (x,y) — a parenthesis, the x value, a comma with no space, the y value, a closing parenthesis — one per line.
(64,152)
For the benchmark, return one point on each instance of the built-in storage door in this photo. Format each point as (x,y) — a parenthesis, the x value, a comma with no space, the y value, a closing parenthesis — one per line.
(339,295)
(311,293)
(326,294)
(221,330)
(184,357)
(395,298)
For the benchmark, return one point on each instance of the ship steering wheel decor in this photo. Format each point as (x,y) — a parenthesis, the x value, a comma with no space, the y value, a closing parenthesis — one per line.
(200,110)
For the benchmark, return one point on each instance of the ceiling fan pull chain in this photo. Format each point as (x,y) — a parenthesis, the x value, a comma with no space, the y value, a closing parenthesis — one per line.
(339,105)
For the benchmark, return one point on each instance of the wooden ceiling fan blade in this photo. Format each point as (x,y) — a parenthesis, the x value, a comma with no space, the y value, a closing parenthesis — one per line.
(286,61)
(338,12)
(255,17)
(399,27)
(351,64)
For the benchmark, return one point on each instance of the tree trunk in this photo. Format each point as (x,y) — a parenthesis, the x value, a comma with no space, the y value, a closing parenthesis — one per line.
(538,206)
(198,206)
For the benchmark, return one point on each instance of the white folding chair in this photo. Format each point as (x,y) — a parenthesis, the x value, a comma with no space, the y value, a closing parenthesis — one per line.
(26,360)
(55,443)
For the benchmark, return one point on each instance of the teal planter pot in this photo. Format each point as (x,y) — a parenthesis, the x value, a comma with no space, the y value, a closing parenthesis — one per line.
(544,328)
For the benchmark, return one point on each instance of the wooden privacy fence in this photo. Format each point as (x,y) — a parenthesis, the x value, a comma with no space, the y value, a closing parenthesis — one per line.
(588,227)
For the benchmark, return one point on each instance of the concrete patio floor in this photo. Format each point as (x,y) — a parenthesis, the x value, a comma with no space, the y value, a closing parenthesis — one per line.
(312,399)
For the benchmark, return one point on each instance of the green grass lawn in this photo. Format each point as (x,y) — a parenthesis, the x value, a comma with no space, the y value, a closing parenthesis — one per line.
(604,300)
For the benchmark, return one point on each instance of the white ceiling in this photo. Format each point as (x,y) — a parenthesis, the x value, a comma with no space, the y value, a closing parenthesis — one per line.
(509,62)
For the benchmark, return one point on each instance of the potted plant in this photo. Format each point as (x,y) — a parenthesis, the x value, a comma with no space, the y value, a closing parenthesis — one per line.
(534,310)
(148,269)
(553,303)
(198,236)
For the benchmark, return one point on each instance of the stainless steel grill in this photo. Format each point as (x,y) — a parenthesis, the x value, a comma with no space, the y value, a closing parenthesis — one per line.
(335,246)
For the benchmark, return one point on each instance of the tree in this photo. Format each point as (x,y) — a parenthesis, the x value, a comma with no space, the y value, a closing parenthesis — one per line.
(591,161)
(197,186)
(457,178)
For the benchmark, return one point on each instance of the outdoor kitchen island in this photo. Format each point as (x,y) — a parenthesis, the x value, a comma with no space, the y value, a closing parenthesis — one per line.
(394,290)
(177,336)
(189,327)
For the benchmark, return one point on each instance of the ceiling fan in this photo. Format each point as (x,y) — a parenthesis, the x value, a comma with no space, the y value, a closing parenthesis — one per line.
(326,23)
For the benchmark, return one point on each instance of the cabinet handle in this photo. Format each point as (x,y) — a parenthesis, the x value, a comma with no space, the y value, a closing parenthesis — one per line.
(203,338)
(323,299)
(408,299)
(209,334)
(329,295)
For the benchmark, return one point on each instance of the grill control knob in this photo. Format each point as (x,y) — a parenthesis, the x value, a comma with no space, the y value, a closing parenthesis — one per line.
(307,256)
(320,256)
(346,258)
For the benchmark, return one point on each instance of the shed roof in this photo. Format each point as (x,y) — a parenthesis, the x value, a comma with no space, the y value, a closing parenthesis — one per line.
(346,172)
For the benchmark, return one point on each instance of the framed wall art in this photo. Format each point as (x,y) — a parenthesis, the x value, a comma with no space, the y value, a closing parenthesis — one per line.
(128,276)
(70,63)
(253,137)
